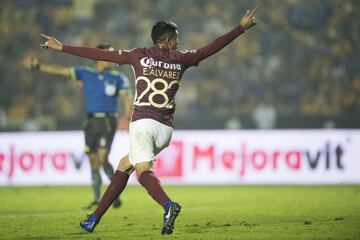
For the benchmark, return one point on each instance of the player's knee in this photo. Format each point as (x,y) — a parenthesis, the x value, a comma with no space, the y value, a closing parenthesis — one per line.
(93,160)
(125,165)
(142,167)
(103,155)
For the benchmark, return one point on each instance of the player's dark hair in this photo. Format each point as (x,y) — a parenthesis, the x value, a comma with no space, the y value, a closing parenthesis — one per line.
(104,46)
(163,29)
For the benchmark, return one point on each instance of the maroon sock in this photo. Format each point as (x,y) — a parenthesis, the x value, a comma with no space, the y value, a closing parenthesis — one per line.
(117,185)
(152,184)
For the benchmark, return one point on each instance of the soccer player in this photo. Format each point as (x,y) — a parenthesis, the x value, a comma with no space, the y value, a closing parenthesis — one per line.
(158,71)
(102,87)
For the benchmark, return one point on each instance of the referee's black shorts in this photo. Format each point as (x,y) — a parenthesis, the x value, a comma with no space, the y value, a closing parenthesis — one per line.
(100,129)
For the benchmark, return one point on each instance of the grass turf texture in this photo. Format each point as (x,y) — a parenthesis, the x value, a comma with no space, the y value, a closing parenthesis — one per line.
(220,212)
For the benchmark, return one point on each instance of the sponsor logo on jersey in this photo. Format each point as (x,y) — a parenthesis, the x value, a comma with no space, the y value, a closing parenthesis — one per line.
(150,62)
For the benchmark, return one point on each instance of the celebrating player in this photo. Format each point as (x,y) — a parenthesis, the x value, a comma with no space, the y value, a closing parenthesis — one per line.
(102,87)
(158,71)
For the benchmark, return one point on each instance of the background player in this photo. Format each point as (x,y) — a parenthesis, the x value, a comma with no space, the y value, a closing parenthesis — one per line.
(102,87)
(158,72)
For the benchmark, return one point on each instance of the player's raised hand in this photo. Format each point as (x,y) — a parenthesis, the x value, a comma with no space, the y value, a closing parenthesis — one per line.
(249,19)
(31,63)
(51,42)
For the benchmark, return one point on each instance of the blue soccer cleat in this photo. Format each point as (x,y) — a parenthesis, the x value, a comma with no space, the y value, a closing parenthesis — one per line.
(89,223)
(169,218)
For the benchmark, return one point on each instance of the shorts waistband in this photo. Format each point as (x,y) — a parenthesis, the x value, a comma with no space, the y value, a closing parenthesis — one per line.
(102,114)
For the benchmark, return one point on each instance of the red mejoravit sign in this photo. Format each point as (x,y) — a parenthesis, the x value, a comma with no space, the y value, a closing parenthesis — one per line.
(193,157)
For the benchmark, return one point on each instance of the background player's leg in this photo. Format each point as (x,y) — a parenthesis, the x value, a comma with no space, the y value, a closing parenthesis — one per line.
(95,180)
(109,126)
(96,183)
(103,154)
(91,129)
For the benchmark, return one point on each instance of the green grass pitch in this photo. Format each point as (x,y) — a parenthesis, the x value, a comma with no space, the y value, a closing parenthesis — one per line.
(208,212)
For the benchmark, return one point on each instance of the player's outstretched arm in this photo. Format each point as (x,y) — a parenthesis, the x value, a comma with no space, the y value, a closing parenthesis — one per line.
(219,43)
(91,53)
(34,64)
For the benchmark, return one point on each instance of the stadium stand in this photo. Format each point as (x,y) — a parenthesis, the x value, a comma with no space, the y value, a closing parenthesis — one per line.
(305,65)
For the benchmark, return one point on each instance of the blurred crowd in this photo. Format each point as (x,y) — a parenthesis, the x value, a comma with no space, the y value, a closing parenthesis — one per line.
(302,59)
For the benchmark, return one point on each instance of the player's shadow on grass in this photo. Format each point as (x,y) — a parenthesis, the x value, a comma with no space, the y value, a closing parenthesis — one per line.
(78,234)
(81,233)
(49,237)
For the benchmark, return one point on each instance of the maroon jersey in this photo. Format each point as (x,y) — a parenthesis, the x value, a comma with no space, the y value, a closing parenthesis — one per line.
(157,72)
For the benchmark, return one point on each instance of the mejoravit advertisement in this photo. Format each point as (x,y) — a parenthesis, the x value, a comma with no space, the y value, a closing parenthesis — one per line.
(193,157)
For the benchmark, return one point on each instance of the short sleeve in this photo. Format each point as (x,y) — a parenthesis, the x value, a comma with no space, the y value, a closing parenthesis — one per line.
(125,56)
(76,72)
(189,58)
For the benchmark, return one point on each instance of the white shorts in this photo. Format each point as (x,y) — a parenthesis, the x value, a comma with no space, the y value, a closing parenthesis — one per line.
(147,138)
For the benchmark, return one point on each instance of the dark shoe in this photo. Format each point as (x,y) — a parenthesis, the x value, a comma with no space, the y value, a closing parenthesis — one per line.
(92,205)
(117,203)
(89,223)
(169,218)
